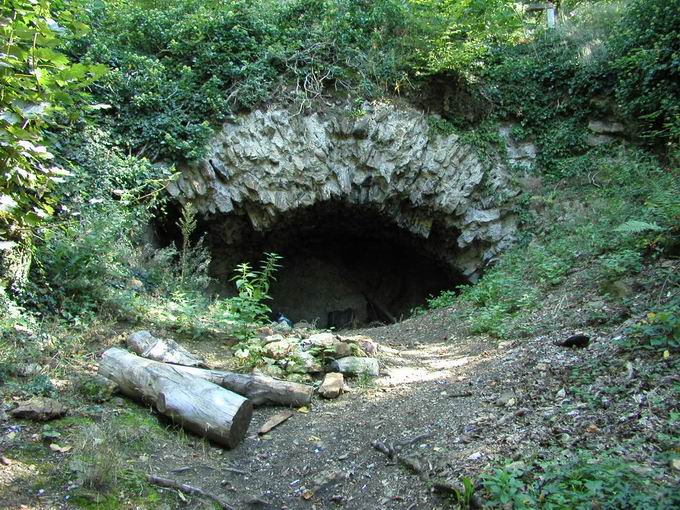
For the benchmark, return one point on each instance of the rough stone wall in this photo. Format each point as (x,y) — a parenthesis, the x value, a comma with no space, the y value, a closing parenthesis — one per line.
(269,163)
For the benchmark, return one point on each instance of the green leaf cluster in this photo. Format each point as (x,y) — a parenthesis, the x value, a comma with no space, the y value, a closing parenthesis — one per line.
(40,88)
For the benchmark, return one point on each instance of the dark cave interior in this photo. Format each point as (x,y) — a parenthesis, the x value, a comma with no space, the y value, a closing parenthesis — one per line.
(343,266)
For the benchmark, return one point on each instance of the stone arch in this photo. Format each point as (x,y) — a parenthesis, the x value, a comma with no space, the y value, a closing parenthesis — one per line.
(264,166)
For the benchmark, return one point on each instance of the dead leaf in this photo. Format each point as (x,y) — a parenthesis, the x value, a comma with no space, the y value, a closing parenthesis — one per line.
(307,495)
(61,449)
(303,409)
(275,421)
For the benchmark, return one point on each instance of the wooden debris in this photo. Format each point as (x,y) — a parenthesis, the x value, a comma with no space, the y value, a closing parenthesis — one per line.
(259,388)
(198,405)
(189,489)
(161,349)
(275,421)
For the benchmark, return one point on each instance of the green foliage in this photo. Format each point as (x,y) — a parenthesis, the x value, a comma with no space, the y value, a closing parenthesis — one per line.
(577,482)
(646,45)
(464,32)
(181,67)
(607,226)
(620,263)
(41,88)
(194,259)
(83,262)
(253,290)
(41,386)
(659,331)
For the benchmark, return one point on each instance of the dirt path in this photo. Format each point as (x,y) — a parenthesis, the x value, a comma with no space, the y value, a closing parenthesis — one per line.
(458,404)
(434,384)
(325,455)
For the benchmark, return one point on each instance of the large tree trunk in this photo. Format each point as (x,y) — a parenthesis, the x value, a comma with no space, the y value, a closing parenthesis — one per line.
(260,389)
(196,404)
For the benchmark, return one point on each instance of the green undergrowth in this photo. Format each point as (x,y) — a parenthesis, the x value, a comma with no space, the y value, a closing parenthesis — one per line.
(578,481)
(609,223)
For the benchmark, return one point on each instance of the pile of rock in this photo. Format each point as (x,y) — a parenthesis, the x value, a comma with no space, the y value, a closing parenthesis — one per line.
(314,354)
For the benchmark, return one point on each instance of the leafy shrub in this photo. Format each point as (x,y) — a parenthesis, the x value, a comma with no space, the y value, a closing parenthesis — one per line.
(620,263)
(179,68)
(253,290)
(41,386)
(38,83)
(646,45)
(83,262)
(577,482)
(658,331)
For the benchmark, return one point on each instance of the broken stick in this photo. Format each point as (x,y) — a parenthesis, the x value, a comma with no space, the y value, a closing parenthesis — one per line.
(189,489)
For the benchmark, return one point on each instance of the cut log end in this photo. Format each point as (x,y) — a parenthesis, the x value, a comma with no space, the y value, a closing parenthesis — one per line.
(240,423)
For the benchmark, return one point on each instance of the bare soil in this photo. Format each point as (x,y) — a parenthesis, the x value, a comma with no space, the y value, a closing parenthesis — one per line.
(457,404)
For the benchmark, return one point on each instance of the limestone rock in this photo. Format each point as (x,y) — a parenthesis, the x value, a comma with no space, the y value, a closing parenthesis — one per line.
(273,338)
(332,385)
(353,365)
(322,340)
(605,127)
(366,344)
(39,409)
(311,364)
(264,165)
(278,349)
(594,140)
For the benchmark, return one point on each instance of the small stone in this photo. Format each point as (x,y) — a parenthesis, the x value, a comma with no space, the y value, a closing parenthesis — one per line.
(505,398)
(675,464)
(264,332)
(273,338)
(332,385)
(561,394)
(592,429)
(354,366)
(278,349)
(475,456)
(341,349)
(39,409)
(326,479)
(366,344)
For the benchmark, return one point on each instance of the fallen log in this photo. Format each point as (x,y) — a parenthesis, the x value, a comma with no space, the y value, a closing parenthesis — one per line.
(196,404)
(162,349)
(258,388)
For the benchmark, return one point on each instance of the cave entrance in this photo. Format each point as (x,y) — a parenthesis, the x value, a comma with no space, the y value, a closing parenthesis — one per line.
(343,266)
